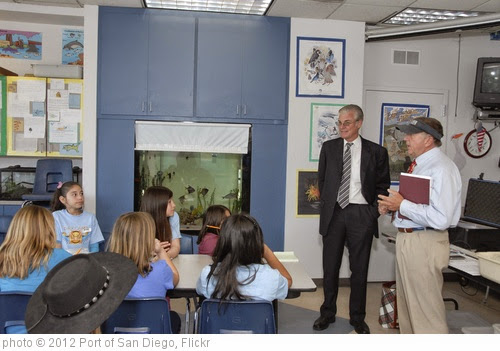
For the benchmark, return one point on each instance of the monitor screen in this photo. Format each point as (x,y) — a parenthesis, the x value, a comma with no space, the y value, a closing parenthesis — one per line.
(482,202)
(490,81)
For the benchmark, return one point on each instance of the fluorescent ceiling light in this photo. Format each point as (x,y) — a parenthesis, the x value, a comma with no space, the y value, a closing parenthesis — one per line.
(416,16)
(247,7)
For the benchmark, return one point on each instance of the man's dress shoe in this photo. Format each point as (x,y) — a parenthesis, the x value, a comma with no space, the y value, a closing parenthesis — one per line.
(360,327)
(322,323)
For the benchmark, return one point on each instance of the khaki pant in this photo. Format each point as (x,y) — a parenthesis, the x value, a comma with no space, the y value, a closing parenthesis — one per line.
(420,258)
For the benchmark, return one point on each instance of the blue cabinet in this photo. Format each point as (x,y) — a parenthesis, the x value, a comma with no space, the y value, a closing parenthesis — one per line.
(146,62)
(242,67)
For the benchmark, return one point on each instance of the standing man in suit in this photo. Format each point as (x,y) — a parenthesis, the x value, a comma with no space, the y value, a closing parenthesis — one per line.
(352,172)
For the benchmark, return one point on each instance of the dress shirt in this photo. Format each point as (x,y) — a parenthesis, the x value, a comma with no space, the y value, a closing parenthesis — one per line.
(355,196)
(445,201)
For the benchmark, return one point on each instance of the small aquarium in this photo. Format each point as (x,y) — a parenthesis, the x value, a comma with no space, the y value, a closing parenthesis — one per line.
(197,179)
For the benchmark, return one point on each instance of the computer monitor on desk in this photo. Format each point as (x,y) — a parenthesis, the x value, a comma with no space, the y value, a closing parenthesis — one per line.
(482,203)
(479,228)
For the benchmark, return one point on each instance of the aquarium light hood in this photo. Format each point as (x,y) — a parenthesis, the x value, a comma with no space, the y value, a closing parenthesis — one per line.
(192,137)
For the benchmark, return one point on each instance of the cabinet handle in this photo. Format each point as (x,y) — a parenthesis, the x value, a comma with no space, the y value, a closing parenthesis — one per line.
(237,110)
(150,106)
(244,110)
(143,106)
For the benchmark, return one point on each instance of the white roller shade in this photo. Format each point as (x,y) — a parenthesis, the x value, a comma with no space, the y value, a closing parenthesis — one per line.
(192,137)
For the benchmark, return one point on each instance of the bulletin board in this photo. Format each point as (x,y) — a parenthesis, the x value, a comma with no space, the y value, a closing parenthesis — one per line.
(3,115)
(64,117)
(26,116)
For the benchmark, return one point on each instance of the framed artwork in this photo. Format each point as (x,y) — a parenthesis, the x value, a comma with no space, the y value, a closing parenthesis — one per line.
(323,127)
(307,193)
(320,67)
(392,139)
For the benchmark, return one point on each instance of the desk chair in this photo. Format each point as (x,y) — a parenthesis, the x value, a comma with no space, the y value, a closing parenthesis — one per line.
(13,307)
(186,244)
(49,172)
(139,316)
(4,226)
(236,317)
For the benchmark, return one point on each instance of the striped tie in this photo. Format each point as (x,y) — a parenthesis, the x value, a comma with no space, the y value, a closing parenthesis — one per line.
(343,197)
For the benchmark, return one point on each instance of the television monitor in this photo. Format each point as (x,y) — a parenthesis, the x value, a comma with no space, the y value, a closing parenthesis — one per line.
(487,87)
(482,202)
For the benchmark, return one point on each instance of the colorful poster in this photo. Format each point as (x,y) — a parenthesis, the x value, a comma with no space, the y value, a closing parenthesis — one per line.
(72,47)
(324,119)
(20,45)
(320,67)
(392,139)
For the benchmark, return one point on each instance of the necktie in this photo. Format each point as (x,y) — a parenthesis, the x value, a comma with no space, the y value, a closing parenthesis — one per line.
(343,197)
(412,165)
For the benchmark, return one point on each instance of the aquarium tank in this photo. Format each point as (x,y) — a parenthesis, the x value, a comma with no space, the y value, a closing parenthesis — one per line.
(198,180)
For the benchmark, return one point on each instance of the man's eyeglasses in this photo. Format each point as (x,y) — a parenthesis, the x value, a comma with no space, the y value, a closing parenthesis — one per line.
(345,124)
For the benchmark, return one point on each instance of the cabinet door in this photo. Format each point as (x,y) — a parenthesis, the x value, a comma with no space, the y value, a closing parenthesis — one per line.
(123,62)
(265,75)
(171,65)
(219,69)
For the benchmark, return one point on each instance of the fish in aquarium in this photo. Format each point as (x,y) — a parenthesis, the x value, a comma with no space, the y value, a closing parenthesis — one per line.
(190,189)
(204,191)
(230,196)
(182,199)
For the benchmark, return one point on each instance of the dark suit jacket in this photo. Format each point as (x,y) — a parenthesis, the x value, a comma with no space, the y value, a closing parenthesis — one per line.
(375,177)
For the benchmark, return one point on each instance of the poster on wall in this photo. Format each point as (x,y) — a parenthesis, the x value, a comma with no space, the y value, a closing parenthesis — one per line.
(72,47)
(323,127)
(320,67)
(393,139)
(307,193)
(20,45)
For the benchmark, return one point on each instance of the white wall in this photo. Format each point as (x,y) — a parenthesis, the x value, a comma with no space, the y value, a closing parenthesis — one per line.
(302,234)
(438,71)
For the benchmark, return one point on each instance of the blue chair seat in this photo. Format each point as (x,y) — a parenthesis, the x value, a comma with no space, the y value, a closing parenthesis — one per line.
(13,307)
(236,317)
(139,316)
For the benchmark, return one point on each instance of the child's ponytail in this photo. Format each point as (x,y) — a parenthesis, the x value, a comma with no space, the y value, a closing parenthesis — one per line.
(62,190)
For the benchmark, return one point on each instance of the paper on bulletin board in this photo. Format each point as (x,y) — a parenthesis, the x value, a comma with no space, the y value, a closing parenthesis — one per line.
(70,116)
(63,132)
(57,84)
(57,101)
(31,90)
(34,127)
(17,107)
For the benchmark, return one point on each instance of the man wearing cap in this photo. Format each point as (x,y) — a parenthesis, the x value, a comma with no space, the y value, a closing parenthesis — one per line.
(422,246)
(352,171)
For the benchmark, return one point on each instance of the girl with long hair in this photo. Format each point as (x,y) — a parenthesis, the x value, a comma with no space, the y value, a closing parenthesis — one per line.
(209,233)
(238,271)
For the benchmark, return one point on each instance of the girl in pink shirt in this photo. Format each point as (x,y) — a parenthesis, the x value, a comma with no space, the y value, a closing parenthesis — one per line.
(209,234)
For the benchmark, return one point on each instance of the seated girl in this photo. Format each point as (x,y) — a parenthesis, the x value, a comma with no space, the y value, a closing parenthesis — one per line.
(29,251)
(133,236)
(209,234)
(238,271)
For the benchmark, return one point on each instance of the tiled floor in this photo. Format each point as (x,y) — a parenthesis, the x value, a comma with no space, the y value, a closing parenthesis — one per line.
(469,299)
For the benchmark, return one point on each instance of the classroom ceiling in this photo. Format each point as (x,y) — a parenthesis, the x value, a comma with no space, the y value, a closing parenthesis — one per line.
(373,12)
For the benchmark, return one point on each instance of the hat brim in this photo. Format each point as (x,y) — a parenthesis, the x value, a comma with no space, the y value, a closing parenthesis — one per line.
(123,274)
(409,129)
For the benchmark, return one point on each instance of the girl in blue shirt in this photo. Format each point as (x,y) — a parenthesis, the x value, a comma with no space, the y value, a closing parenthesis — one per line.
(29,251)
(239,271)
(133,236)
(76,229)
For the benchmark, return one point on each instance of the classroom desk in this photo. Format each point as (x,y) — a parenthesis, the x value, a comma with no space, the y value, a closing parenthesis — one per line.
(190,266)
(466,273)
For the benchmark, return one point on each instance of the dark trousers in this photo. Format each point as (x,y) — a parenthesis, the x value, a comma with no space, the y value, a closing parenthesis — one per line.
(352,227)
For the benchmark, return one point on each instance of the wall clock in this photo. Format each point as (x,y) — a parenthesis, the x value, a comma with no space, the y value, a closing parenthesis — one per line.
(477,144)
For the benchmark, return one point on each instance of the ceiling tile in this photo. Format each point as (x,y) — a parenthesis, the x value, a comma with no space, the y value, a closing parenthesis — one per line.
(302,8)
(404,3)
(490,6)
(364,13)
(458,5)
